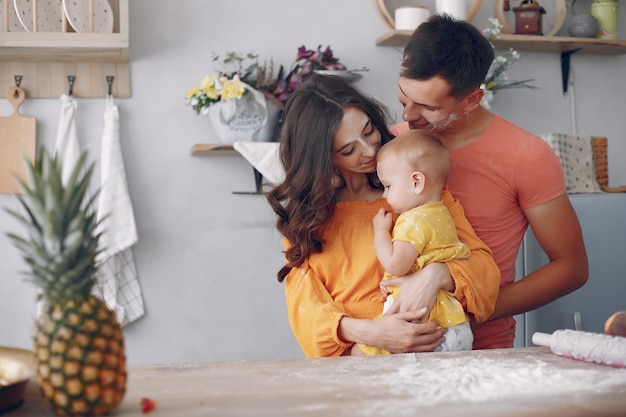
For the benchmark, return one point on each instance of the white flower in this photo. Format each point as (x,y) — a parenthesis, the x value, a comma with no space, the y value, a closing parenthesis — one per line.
(487,97)
(496,77)
(494,29)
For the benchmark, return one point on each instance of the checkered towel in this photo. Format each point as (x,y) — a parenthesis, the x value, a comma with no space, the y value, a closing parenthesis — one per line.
(118,282)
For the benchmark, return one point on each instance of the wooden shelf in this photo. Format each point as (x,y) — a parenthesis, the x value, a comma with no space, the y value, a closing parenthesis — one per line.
(213,149)
(394,38)
(68,45)
(560,44)
(220,149)
(46,59)
(63,47)
(535,43)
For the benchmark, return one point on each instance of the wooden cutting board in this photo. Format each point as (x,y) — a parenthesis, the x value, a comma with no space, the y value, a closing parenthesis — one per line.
(17,141)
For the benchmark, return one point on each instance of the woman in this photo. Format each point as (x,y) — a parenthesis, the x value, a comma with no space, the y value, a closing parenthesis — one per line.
(325,207)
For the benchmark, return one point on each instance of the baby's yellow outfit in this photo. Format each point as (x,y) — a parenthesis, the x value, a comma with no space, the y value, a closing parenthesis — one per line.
(431,230)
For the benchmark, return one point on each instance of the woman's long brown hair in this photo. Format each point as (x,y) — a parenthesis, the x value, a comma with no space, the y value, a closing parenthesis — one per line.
(304,203)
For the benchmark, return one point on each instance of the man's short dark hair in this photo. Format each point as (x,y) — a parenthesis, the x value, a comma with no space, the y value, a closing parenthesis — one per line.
(451,49)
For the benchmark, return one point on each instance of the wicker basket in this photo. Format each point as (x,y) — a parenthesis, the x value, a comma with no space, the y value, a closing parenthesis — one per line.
(601,159)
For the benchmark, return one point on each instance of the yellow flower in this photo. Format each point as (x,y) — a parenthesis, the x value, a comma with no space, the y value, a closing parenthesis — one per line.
(211,92)
(233,89)
(213,89)
(191,92)
(208,81)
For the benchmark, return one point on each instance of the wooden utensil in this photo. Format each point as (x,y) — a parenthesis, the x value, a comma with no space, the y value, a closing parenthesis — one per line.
(17,141)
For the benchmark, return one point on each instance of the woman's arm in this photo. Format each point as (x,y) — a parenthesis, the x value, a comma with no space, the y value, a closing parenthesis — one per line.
(323,327)
(313,314)
(396,333)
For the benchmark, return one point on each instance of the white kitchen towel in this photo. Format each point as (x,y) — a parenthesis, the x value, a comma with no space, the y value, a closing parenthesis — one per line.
(118,282)
(264,157)
(66,145)
(576,155)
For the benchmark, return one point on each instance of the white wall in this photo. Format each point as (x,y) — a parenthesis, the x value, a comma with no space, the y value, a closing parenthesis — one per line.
(207,258)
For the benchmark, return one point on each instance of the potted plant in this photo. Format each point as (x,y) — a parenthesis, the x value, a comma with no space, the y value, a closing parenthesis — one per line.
(497,78)
(244,100)
(239,99)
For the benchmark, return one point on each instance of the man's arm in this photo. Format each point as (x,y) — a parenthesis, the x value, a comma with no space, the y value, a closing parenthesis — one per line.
(558,232)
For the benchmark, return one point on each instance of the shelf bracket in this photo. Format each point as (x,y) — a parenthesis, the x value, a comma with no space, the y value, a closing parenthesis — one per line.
(258,183)
(565,64)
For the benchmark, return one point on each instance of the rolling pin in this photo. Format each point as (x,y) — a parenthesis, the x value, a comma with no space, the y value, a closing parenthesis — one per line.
(585,346)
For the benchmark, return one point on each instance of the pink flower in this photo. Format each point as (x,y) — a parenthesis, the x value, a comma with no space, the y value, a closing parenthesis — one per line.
(307,62)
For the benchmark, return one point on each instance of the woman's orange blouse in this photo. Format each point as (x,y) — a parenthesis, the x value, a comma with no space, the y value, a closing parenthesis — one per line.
(343,279)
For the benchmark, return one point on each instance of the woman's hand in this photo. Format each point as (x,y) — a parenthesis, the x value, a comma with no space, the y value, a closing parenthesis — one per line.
(396,333)
(402,333)
(419,289)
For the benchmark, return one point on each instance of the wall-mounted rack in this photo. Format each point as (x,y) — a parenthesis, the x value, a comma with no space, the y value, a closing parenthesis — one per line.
(213,149)
(535,43)
(538,43)
(564,45)
(46,59)
(220,149)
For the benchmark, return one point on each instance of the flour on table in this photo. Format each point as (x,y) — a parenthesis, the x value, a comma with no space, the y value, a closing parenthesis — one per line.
(427,381)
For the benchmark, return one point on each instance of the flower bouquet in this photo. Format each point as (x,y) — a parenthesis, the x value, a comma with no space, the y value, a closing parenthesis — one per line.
(246,95)
(496,77)
(307,62)
(213,89)
(240,73)
(237,99)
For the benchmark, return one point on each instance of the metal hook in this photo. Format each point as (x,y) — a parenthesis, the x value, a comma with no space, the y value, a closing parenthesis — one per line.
(18,81)
(110,84)
(70,82)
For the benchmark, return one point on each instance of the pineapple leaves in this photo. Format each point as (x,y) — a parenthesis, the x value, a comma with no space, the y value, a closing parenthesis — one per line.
(62,243)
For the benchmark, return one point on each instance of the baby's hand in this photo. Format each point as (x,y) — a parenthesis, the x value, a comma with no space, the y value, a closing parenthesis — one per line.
(384,292)
(382,220)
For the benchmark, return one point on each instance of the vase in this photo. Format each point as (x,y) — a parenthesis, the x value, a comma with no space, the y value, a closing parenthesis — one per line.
(606,13)
(270,130)
(249,118)
(583,26)
(410,17)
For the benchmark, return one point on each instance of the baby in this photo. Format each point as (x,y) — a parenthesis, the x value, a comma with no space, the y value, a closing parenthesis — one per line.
(414,168)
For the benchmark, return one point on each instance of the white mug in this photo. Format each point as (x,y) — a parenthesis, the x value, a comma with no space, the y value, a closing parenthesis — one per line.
(455,8)
(410,17)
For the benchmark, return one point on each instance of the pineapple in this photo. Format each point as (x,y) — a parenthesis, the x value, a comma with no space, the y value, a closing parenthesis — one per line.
(78,343)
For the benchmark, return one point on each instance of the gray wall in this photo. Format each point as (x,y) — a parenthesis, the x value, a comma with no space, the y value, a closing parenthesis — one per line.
(600,217)
(207,258)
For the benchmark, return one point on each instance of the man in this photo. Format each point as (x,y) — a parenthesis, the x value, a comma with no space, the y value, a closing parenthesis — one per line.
(505,177)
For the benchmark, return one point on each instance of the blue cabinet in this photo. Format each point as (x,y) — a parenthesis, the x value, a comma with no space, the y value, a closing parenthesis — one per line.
(603,221)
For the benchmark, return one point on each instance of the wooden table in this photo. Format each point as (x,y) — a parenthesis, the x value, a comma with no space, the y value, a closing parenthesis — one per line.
(505,382)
